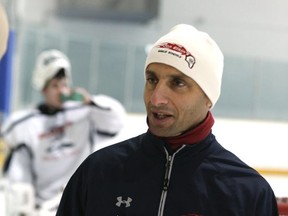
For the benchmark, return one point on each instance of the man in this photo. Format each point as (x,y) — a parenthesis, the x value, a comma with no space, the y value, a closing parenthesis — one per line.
(50,141)
(3,31)
(177,168)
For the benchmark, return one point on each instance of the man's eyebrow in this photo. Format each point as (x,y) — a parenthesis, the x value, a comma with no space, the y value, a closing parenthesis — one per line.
(182,76)
(149,72)
(178,76)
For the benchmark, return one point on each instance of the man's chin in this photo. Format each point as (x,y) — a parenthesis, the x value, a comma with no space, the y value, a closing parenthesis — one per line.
(56,105)
(160,132)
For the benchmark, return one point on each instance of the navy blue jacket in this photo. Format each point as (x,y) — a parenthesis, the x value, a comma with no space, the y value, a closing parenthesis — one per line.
(139,177)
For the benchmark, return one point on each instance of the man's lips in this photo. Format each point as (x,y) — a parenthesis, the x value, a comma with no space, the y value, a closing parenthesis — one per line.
(161,115)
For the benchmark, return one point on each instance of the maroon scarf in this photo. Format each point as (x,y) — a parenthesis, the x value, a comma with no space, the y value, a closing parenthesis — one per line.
(192,136)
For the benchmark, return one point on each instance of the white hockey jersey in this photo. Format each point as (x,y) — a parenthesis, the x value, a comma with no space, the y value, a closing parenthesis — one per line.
(46,148)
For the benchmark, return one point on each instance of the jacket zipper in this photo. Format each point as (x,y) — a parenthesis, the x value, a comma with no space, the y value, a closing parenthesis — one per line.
(169,164)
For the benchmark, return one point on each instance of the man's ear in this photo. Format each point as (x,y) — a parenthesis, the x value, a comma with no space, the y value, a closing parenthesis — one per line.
(44,88)
(209,103)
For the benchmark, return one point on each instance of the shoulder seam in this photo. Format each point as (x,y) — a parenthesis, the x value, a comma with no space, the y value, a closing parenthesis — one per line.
(15,123)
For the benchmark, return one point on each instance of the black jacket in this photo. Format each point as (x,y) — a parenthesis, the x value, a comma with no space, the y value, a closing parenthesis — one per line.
(138,177)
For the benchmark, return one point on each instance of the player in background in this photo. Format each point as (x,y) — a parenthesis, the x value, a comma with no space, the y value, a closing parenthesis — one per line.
(48,142)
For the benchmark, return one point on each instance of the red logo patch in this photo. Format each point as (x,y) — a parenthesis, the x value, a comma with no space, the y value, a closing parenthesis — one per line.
(179,51)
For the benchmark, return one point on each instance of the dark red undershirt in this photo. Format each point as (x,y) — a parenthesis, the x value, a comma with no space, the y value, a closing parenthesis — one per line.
(192,136)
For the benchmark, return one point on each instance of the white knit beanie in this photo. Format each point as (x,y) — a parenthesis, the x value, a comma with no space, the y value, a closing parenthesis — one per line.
(48,64)
(195,54)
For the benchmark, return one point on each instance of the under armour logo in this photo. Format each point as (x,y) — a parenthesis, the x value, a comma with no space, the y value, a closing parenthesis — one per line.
(121,201)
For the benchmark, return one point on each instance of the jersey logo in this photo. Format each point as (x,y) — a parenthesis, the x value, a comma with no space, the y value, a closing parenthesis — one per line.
(58,147)
(127,202)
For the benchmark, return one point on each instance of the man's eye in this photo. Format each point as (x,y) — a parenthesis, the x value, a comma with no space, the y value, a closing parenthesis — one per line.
(178,82)
(151,80)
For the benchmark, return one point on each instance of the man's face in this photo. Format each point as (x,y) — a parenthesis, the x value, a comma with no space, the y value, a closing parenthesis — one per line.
(174,102)
(53,90)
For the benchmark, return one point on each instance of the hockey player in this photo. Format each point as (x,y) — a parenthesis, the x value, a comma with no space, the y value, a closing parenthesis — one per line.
(49,141)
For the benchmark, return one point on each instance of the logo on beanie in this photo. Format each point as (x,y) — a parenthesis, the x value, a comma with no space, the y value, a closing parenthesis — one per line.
(178,51)
(50,59)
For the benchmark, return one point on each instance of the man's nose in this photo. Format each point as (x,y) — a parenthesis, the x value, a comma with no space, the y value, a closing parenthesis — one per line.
(63,90)
(159,95)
